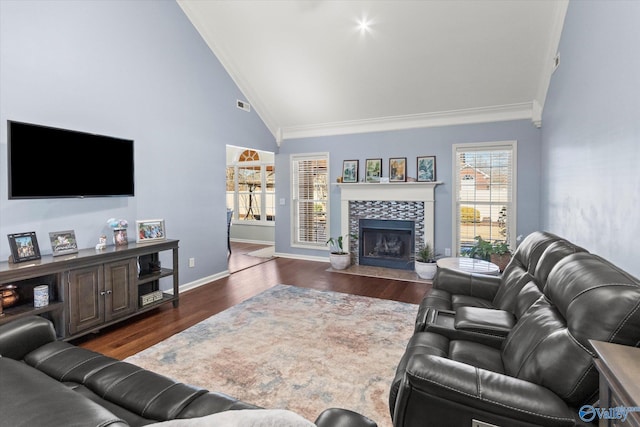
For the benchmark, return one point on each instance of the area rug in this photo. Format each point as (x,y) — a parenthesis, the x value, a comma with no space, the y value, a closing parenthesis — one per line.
(294,348)
(267,252)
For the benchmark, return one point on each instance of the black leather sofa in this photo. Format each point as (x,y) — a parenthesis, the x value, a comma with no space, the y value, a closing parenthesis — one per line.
(46,382)
(515,350)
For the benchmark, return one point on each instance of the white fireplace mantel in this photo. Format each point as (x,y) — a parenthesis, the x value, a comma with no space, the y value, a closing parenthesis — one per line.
(393,191)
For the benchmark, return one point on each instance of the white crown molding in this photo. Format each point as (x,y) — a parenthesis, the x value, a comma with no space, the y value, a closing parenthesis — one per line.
(445,118)
(552,51)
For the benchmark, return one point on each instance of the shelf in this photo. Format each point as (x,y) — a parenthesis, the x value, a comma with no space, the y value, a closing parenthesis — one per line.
(150,277)
(22,310)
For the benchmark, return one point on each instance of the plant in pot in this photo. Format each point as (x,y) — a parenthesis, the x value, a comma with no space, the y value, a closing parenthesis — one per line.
(500,254)
(425,263)
(338,257)
(482,249)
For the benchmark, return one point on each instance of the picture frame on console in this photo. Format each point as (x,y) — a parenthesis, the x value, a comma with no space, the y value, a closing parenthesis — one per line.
(24,247)
(398,169)
(350,170)
(373,170)
(150,230)
(63,242)
(426,168)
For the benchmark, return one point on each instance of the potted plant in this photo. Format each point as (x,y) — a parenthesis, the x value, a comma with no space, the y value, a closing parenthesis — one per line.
(482,249)
(425,263)
(500,254)
(338,257)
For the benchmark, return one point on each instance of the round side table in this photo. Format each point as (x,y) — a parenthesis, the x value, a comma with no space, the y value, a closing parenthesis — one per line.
(469,265)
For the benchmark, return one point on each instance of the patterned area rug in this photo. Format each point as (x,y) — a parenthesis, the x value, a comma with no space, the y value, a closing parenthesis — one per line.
(294,348)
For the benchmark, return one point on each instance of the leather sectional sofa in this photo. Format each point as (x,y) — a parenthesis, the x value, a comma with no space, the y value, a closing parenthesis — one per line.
(46,382)
(515,350)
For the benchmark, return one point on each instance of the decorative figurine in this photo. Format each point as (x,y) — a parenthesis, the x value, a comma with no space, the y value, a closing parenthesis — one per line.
(102,242)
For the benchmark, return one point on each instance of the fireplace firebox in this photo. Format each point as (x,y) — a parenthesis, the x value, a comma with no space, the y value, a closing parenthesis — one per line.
(386,243)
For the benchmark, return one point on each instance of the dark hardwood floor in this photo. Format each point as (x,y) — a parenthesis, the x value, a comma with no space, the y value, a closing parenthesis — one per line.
(251,277)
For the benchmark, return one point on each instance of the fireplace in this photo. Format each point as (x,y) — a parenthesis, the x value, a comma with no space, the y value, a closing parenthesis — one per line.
(386,243)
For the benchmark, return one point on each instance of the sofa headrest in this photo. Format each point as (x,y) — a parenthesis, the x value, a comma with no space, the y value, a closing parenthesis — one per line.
(550,257)
(598,300)
(532,247)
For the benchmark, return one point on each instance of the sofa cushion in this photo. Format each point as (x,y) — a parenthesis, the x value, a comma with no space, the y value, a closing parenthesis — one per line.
(244,418)
(30,399)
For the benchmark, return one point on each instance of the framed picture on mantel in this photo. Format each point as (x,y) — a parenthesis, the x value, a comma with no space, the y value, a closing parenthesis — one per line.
(398,169)
(350,171)
(426,169)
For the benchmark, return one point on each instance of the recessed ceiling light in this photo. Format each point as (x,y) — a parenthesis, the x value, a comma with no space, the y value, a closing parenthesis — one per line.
(364,25)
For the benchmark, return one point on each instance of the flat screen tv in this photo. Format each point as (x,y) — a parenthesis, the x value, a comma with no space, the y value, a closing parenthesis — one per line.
(48,162)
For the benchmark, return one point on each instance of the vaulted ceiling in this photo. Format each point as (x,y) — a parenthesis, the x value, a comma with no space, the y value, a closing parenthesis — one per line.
(327,67)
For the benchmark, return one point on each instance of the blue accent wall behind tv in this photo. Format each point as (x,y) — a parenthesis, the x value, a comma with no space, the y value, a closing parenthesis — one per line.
(134,69)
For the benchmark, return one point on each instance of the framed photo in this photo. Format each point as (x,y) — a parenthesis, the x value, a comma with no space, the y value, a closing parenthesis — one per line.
(373,170)
(120,237)
(350,171)
(63,242)
(397,169)
(24,246)
(150,230)
(426,168)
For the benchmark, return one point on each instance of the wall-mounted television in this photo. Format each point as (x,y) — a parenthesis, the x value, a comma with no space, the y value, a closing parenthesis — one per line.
(48,162)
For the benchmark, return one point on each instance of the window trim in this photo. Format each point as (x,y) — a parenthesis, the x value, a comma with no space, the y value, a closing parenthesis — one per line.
(308,156)
(484,146)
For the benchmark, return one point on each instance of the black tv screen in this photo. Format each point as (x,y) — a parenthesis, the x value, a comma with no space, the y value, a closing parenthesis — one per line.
(48,162)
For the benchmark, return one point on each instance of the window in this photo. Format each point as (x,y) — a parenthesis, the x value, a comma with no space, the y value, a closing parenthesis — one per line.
(310,199)
(485,193)
(251,188)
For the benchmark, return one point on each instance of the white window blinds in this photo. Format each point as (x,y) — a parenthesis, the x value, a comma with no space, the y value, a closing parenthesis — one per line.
(485,193)
(310,194)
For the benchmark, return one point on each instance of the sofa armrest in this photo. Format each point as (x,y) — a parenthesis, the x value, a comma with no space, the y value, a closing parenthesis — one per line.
(435,389)
(471,284)
(337,417)
(21,336)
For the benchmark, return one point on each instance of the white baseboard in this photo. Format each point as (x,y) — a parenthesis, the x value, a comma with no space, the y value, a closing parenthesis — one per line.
(302,257)
(200,282)
(254,242)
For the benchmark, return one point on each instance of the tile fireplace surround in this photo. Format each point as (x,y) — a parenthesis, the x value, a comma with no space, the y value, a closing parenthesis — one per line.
(405,200)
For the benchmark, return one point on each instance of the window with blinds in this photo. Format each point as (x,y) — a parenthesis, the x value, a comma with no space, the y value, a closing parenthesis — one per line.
(485,193)
(310,199)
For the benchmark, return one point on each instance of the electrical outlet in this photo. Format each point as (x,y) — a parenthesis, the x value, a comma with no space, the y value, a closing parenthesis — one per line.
(447,251)
(192,262)
(282,201)
(476,423)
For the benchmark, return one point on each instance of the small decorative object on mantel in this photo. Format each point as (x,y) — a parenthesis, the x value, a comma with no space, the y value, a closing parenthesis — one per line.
(24,247)
(150,230)
(63,242)
(119,227)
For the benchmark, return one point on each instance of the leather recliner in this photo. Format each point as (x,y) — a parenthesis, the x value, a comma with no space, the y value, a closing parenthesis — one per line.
(533,260)
(544,370)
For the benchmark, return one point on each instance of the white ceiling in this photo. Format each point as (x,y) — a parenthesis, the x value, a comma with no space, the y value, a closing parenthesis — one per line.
(307,69)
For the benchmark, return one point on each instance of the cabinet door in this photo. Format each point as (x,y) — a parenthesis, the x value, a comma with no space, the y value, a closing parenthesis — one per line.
(120,288)
(86,302)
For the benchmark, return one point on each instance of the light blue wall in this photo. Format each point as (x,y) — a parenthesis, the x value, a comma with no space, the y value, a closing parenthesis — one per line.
(411,144)
(131,69)
(591,132)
